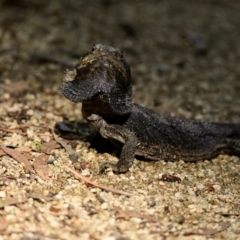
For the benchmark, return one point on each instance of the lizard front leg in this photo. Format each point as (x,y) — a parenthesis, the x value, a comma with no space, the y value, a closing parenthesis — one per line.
(118,133)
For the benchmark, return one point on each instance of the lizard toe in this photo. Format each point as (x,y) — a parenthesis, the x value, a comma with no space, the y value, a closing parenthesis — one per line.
(114,166)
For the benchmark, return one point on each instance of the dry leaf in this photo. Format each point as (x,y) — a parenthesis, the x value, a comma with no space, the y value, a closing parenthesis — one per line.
(41,167)
(24,149)
(18,131)
(19,149)
(19,157)
(47,147)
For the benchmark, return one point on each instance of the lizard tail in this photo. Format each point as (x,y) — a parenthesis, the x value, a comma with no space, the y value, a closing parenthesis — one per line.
(234,145)
(232,136)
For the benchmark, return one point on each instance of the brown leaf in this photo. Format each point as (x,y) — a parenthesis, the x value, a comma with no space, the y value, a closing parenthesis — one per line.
(19,157)
(47,147)
(41,167)
(24,149)
(15,87)
(19,149)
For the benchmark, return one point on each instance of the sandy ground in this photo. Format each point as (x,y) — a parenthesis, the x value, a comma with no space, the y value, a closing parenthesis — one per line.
(184,57)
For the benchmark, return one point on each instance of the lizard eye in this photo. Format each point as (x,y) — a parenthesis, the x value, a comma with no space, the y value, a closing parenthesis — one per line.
(121,54)
(93,48)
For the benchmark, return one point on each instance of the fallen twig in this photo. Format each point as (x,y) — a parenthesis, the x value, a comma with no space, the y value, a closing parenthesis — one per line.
(127,214)
(87,180)
(72,154)
(19,131)
(209,231)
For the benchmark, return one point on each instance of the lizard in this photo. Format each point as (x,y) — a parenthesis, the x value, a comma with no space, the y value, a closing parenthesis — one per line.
(101,81)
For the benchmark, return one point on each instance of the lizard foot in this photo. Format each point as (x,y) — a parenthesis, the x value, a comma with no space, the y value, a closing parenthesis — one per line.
(114,166)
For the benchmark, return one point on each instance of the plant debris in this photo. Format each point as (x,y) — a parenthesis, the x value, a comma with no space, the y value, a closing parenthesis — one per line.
(19,157)
(47,147)
(108,189)
(209,231)
(184,58)
(41,167)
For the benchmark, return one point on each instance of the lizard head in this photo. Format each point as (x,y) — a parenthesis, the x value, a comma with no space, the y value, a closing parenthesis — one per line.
(100,75)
